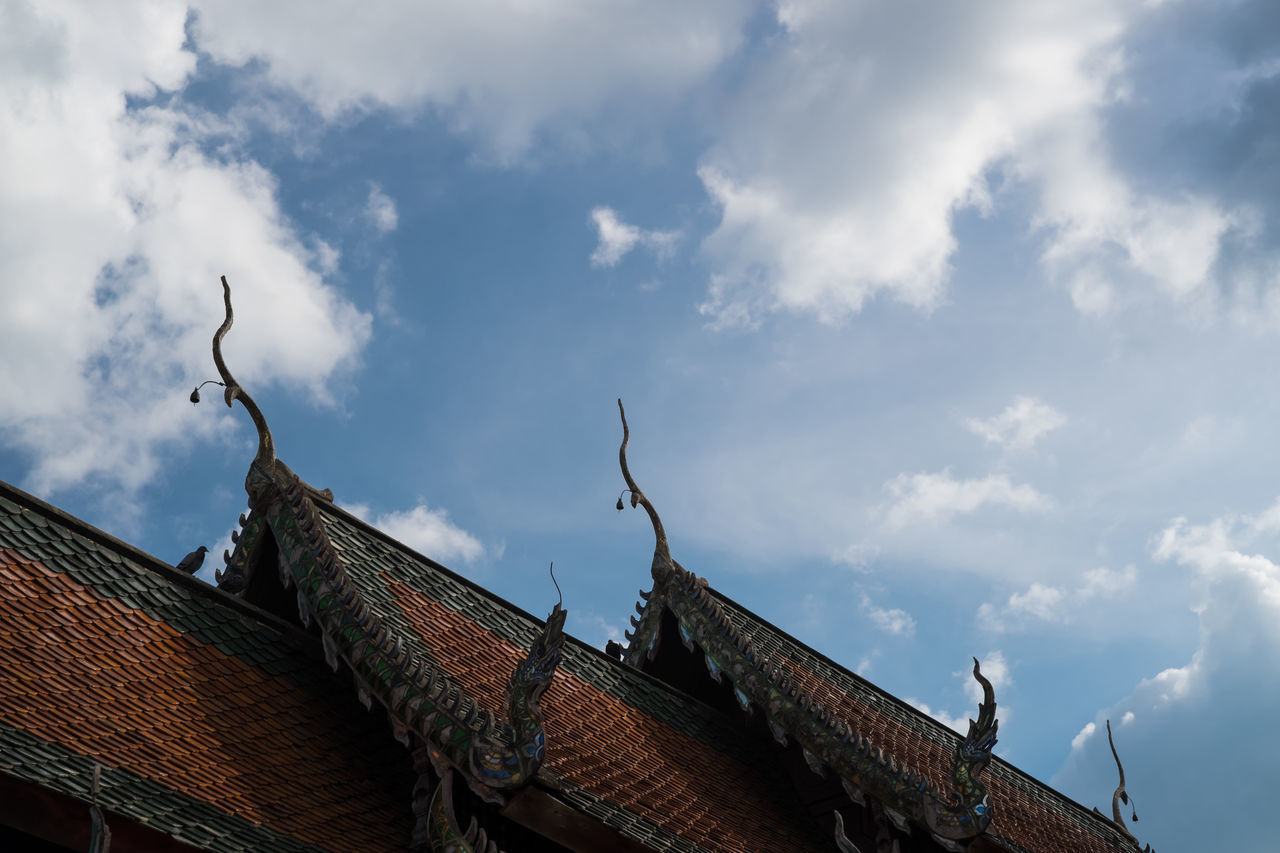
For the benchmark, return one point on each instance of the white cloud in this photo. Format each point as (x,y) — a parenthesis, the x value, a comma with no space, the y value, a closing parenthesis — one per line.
(857,556)
(1083,735)
(855,142)
(1223,688)
(117,227)
(1039,601)
(425,530)
(959,723)
(381,210)
(598,631)
(1052,604)
(505,70)
(893,621)
(923,498)
(617,238)
(1020,425)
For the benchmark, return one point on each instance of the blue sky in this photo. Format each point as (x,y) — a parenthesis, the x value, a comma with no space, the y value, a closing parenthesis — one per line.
(943,330)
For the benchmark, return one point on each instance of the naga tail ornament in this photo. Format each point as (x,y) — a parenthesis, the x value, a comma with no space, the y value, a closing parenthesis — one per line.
(843,844)
(968,813)
(445,835)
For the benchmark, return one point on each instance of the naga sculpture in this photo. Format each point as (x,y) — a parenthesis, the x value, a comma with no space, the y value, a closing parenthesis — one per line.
(444,833)
(843,844)
(958,812)
(492,755)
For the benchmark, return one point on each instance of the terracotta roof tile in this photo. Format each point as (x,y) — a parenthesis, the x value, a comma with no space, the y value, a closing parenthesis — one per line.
(1027,815)
(615,751)
(106,681)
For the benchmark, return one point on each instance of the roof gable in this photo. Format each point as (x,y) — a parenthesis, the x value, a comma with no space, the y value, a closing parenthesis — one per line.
(875,744)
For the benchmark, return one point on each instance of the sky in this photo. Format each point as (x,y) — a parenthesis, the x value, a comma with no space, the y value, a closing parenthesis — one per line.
(943,329)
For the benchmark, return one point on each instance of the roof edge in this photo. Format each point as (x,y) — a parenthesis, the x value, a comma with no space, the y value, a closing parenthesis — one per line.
(150,561)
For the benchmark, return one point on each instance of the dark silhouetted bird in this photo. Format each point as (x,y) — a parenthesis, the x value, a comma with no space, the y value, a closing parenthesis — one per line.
(193,561)
(613,649)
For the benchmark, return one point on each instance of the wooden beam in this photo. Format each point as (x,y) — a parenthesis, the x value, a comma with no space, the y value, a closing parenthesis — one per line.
(64,820)
(537,810)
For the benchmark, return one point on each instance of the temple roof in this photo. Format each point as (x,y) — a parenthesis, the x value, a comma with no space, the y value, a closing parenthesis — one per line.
(664,770)
(213,722)
(1028,814)
(219,724)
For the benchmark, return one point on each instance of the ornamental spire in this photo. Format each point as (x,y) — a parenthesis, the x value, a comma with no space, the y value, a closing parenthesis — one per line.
(663,566)
(266,447)
(1120,795)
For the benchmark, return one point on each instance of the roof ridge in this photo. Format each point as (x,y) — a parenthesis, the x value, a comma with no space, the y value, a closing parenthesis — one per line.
(614,667)
(147,560)
(936,725)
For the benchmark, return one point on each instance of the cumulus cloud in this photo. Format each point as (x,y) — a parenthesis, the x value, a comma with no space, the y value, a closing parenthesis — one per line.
(381,210)
(928,498)
(893,621)
(117,226)
(503,70)
(1223,687)
(959,723)
(617,238)
(1020,425)
(1044,603)
(1083,735)
(854,144)
(425,530)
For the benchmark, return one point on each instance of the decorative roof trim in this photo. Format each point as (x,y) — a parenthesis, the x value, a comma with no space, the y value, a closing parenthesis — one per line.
(419,696)
(959,812)
(445,833)
(1120,795)
(843,844)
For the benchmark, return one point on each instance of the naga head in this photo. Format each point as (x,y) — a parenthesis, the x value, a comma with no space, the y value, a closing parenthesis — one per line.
(539,666)
(969,812)
(981,739)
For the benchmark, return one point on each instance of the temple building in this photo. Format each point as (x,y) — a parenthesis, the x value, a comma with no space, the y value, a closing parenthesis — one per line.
(338,691)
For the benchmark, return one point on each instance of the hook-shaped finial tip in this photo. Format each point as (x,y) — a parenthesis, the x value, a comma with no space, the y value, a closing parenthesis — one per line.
(552,570)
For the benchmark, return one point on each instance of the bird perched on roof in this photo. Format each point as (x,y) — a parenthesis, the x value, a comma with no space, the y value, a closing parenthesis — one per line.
(193,561)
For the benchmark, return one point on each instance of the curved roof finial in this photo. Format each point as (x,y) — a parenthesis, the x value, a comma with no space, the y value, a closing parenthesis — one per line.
(559,594)
(266,448)
(662,563)
(1120,796)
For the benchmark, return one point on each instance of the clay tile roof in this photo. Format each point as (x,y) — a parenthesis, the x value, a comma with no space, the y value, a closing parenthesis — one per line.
(212,722)
(622,747)
(1029,816)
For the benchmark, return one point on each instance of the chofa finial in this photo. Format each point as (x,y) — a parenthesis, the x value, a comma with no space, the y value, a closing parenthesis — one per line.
(1121,795)
(662,563)
(233,392)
